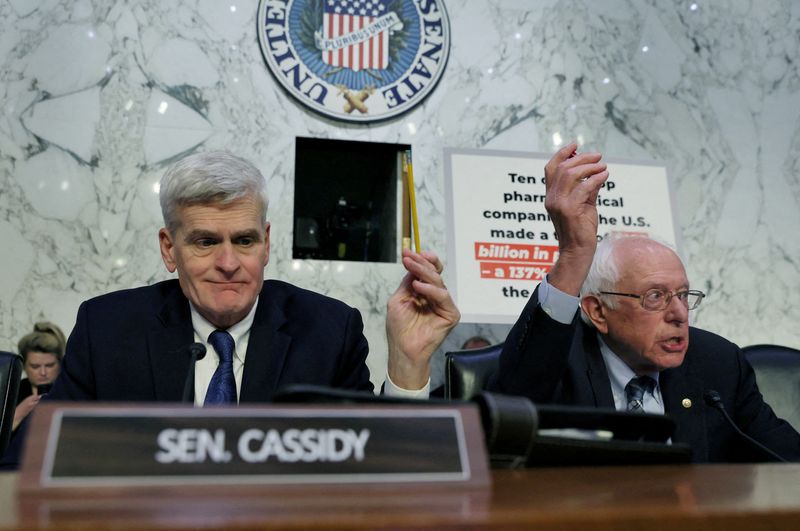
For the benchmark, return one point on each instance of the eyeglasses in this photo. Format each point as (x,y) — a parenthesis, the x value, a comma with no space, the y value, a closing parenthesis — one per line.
(656,299)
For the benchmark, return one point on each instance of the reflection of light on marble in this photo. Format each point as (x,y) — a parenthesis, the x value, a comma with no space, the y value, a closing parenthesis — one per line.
(606,81)
(235,79)
(233,9)
(108,70)
(162,107)
(580,140)
(233,47)
(120,262)
(557,140)
(490,70)
(296,265)
(325,267)
(412,128)
(340,268)
(90,34)
(440,131)
(40,185)
(466,100)
(104,233)
(518,35)
(645,48)
(128,105)
(572,107)
(156,188)
(693,7)
(64,185)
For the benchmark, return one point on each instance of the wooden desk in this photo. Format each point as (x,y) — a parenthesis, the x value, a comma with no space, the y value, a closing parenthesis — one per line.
(707,497)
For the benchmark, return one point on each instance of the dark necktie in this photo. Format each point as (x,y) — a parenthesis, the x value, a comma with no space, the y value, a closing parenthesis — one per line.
(635,390)
(222,389)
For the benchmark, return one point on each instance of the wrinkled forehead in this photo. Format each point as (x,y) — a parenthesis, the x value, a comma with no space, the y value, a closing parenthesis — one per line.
(229,214)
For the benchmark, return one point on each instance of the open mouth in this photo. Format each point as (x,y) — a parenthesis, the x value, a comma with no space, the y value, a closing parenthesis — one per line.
(674,343)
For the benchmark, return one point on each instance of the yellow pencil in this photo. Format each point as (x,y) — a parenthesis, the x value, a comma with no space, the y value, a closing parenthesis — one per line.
(412,199)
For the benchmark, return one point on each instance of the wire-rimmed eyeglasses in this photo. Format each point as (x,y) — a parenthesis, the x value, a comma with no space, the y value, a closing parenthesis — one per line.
(656,299)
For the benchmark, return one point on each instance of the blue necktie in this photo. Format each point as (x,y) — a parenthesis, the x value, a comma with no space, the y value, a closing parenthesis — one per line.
(222,389)
(635,390)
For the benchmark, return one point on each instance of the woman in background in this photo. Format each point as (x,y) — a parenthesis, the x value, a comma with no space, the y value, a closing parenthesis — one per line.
(41,352)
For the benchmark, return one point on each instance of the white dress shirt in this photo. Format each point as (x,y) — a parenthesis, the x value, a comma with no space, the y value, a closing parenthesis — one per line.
(206,367)
(240,332)
(561,307)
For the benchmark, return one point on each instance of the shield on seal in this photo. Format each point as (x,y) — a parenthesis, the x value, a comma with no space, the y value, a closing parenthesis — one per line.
(356,34)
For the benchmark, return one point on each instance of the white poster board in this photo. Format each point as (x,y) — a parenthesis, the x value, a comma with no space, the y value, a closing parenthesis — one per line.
(500,238)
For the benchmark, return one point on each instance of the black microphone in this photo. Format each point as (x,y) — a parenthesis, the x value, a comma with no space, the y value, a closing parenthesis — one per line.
(714,400)
(198,352)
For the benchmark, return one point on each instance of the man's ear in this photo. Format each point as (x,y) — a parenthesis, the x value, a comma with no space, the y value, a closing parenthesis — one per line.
(167,245)
(596,312)
(266,244)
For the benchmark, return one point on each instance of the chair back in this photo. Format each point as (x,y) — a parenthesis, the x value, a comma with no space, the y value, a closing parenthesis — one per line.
(778,377)
(467,372)
(10,374)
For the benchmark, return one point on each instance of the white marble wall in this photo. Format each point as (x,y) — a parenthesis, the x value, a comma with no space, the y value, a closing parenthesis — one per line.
(98,96)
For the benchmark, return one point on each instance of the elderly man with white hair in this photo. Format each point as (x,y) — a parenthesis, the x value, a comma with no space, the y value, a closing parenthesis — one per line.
(633,348)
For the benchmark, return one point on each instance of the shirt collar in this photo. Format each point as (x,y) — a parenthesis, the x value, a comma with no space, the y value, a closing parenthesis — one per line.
(203,328)
(618,371)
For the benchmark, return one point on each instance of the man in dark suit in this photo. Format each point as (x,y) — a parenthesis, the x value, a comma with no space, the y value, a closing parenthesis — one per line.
(632,349)
(133,344)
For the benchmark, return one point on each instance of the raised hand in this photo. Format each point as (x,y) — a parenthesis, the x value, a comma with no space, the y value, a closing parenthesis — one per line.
(572,184)
(419,316)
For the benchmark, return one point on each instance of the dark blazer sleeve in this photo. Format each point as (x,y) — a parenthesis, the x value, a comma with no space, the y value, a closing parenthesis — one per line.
(714,363)
(535,355)
(352,372)
(76,379)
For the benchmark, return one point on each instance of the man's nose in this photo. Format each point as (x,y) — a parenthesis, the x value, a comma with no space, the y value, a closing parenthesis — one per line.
(227,260)
(677,310)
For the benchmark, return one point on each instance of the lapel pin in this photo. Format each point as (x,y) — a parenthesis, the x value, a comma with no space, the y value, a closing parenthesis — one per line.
(686,403)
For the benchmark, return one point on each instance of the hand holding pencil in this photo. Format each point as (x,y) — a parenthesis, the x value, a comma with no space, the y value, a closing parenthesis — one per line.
(419,316)
(421,311)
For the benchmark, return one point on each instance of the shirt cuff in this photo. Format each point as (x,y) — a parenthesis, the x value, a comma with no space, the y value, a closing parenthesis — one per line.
(558,305)
(390,389)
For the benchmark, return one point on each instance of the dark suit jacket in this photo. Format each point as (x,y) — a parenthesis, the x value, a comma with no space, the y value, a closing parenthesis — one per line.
(25,390)
(131,345)
(550,362)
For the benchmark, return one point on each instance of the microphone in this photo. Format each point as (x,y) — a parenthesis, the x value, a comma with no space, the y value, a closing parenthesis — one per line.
(714,400)
(198,352)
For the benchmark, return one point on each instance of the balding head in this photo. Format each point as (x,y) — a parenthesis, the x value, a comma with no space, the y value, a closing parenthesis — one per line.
(630,267)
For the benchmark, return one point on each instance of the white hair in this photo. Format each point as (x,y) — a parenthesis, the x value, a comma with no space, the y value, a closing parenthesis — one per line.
(605,270)
(212,177)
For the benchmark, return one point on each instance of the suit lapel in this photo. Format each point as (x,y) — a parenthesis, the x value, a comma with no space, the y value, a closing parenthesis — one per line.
(596,370)
(167,347)
(680,388)
(266,351)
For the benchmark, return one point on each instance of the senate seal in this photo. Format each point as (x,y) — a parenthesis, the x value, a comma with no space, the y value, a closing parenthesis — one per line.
(355,60)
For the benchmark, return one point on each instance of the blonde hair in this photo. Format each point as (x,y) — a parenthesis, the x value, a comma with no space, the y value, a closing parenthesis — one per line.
(46,337)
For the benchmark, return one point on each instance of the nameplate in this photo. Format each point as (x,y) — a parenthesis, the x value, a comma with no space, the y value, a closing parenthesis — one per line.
(133,445)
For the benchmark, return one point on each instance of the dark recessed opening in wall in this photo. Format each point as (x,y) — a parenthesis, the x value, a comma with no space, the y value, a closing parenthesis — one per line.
(346,200)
